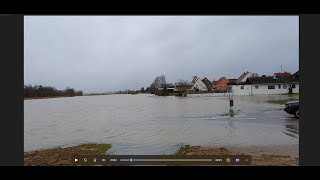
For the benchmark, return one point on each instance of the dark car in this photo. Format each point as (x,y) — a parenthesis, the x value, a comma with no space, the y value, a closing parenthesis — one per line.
(292,107)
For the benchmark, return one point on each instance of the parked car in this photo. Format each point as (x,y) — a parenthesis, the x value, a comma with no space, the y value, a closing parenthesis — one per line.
(292,107)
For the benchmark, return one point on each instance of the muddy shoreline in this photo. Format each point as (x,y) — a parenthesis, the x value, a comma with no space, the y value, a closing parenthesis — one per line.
(62,156)
(280,155)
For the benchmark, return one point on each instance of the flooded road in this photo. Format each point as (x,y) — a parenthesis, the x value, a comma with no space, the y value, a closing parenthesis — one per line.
(148,124)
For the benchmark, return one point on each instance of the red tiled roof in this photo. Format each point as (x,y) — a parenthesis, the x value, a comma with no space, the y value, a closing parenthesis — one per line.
(222,78)
(284,74)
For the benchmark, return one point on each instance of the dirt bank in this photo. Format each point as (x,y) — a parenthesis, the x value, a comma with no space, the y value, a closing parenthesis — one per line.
(62,156)
(284,155)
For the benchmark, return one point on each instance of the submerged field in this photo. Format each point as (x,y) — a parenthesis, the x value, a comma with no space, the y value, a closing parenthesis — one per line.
(148,124)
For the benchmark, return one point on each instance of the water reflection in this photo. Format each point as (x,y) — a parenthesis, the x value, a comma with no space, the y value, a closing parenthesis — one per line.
(231,129)
(231,113)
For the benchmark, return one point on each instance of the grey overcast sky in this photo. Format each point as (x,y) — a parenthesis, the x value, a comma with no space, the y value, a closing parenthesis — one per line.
(108,53)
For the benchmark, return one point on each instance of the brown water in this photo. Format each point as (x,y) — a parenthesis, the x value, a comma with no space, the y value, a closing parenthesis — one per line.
(148,124)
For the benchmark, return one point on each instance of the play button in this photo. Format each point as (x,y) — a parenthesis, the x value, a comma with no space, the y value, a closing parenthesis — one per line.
(75,160)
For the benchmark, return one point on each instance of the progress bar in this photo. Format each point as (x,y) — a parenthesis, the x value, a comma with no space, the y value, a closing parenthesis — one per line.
(128,160)
(169,160)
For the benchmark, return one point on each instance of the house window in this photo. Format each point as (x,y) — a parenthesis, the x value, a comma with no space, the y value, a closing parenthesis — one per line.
(284,86)
(257,87)
(279,86)
(242,87)
(293,86)
(271,87)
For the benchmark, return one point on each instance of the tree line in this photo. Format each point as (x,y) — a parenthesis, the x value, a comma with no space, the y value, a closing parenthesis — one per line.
(128,91)
(48,91)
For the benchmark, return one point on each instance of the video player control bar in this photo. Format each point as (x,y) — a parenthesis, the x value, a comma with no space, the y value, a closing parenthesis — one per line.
(127,160)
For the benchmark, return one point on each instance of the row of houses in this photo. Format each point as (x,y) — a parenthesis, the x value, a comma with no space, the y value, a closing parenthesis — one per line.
(247,84)
(279,83)
(219,86)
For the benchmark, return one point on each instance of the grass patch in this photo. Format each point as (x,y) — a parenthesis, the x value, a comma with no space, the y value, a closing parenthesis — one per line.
(63,156)
(283,101)
(96,148)
(184,149)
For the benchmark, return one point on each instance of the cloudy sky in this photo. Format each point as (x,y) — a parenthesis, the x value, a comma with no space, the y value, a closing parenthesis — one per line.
(108,53)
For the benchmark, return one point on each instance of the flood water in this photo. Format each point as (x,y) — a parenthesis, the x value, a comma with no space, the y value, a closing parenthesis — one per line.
(149,124)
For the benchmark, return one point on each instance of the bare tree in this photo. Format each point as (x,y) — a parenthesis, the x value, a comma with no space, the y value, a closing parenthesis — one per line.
(160,81)
(255,75)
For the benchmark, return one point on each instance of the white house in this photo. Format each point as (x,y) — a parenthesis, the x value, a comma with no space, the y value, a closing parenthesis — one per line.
(198,85)
(244,76)
(259,89)
(266,85)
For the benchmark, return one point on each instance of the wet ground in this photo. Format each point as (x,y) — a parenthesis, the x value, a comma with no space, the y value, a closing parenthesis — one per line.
(148,124)
(282,155)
